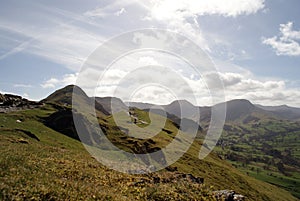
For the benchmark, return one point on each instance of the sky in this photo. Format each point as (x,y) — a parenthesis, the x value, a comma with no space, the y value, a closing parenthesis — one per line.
(254,45)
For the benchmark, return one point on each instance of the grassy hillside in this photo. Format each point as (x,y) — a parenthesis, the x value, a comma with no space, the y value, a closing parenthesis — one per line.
(39,163)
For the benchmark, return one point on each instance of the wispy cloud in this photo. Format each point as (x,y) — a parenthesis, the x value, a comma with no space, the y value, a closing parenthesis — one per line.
(65,44)
(288,41)
(60,39)
(16,49)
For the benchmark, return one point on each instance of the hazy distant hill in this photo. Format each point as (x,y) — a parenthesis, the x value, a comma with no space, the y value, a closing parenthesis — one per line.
(139,105)
(236,110)
(111,102)
(177,107)
(283,111)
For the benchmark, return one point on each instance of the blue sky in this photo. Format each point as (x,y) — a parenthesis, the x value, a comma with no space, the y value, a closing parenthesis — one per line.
(254,43)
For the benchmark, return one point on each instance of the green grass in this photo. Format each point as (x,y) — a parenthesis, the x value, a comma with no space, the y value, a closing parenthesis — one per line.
(59,168)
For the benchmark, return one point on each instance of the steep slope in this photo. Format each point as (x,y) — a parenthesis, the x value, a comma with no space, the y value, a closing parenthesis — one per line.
(65,95)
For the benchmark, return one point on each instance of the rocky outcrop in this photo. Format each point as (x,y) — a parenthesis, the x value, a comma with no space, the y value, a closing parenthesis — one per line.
(9,102)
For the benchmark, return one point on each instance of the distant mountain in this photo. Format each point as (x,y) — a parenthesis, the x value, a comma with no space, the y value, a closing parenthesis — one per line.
(173,109)
(244,110)
(183,124)
(283,111)
(188,119)
(183,108)
(112,104)
(236,110)
(139,105)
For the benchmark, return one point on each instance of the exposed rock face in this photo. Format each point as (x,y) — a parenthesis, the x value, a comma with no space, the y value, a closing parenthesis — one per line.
(9,102)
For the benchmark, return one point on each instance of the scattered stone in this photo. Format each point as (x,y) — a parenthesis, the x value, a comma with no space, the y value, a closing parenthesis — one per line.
(238,197)
(228,195)
(22,140)
(19,121)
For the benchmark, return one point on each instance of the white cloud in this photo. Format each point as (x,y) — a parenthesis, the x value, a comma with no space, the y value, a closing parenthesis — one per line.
(56,82)
(287,43)
(266,92)
(51,83)
(181,15)
(170,9)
